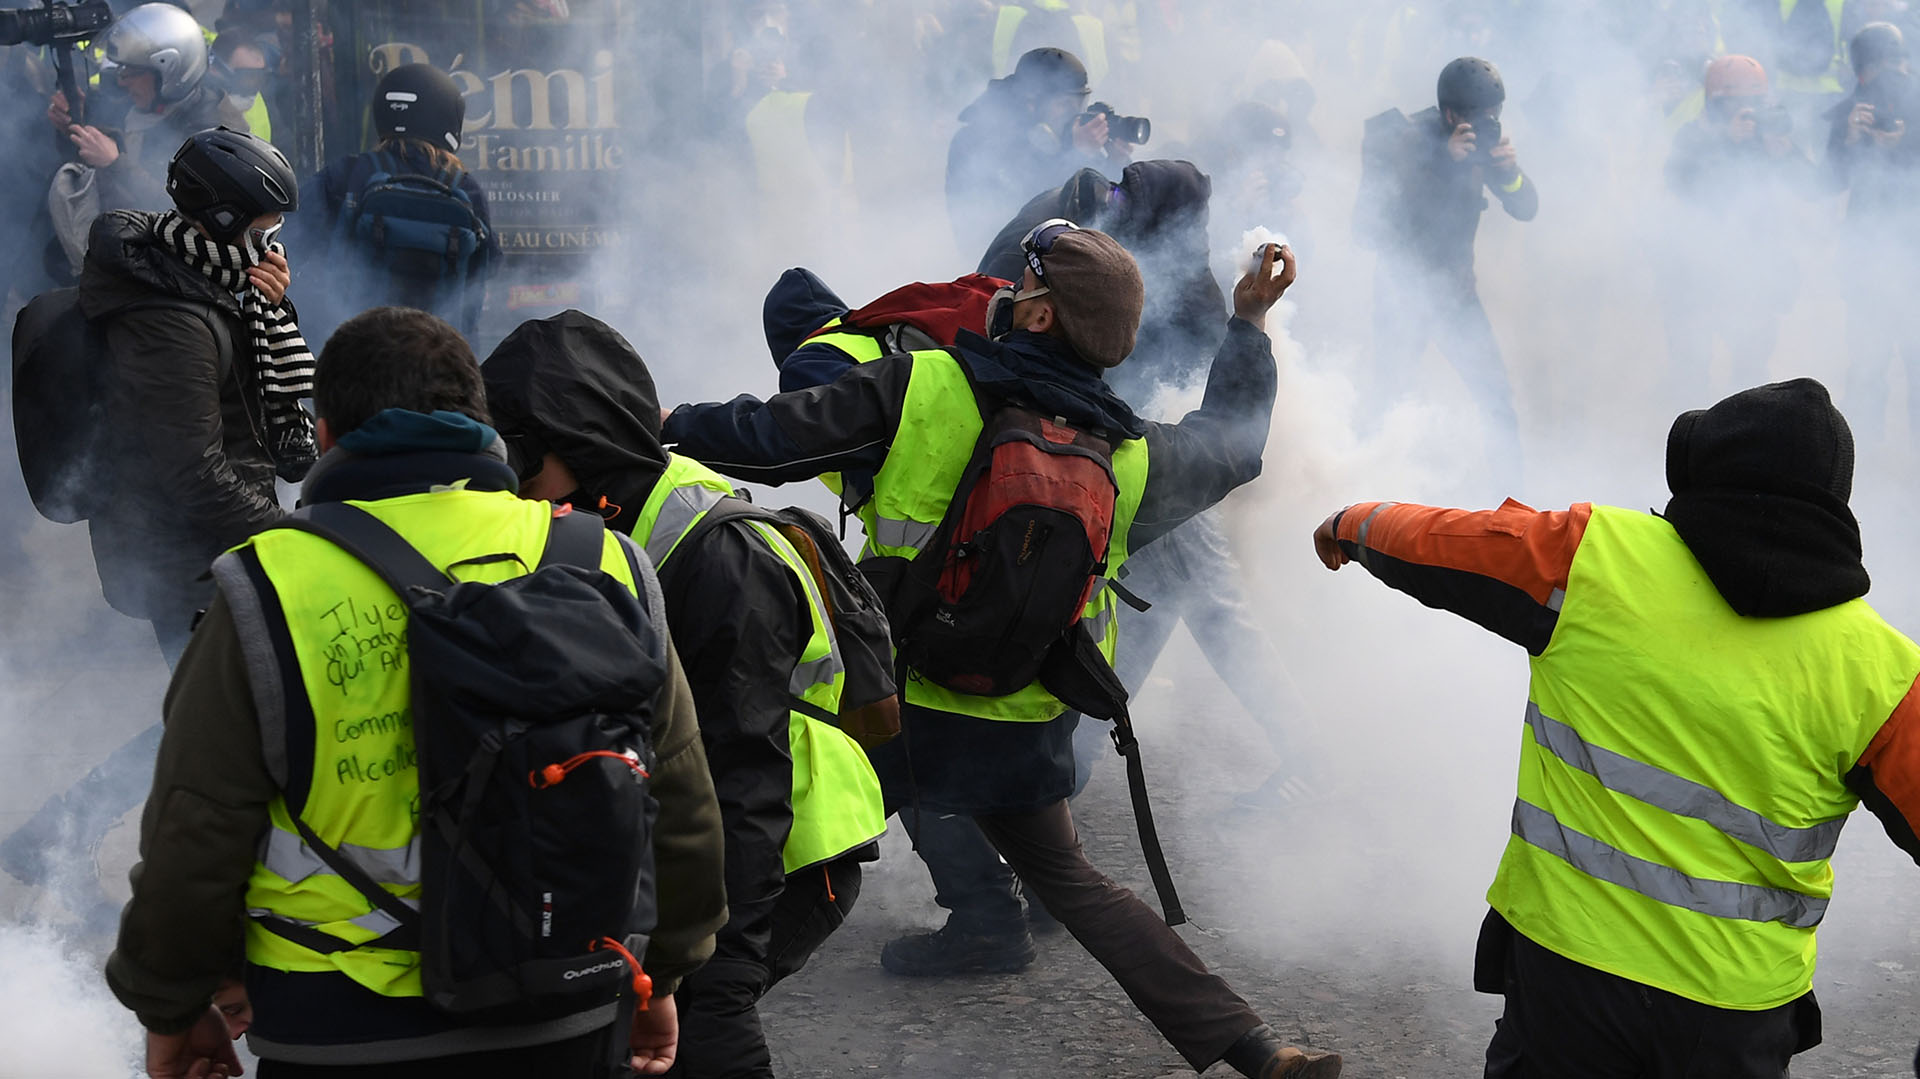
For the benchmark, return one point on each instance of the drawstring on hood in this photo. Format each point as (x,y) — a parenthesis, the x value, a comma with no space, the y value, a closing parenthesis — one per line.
(1760,486)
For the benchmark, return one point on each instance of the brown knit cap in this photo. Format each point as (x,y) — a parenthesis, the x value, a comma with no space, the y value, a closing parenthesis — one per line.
(1097,295)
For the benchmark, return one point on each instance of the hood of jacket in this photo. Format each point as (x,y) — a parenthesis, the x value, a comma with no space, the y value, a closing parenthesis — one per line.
(1760,487)
(571,386)
(127,263)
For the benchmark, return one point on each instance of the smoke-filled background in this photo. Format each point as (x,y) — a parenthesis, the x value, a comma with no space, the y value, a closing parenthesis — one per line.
(631,176)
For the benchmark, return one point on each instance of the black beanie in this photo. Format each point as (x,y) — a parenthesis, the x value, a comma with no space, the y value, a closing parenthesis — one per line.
(420,101)
(1760,486)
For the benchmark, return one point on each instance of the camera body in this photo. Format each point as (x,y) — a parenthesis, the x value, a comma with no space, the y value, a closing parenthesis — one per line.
(54,24)
(1487,134)
(1130,129)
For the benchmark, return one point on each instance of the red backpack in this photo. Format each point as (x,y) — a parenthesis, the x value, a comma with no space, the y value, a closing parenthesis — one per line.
(1022,547)
(939,310)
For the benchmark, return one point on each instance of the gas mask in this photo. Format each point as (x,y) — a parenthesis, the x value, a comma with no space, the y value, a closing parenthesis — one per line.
(1000,308)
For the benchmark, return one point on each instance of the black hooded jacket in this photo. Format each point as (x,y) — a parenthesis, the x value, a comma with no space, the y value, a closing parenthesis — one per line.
(1158,212)
(571,386)
(192,475)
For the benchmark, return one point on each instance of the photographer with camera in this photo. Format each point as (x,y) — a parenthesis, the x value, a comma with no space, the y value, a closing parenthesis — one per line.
(153,94)
(1872,159)
(1733,166)
(1423,187)
(1028,132)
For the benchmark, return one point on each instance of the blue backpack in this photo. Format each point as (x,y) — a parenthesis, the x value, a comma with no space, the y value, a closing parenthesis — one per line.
(416,237)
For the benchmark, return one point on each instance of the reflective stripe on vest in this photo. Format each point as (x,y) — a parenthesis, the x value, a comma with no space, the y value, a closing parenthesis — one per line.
(348,709)
(939,425)
(1681,783)
(835,794)
(1092,35)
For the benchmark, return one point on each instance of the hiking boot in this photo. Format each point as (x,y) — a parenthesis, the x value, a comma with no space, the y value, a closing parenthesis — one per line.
(1260,1054)
(949,950)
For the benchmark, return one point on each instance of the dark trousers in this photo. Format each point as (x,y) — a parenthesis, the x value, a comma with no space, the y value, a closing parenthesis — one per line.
(969,879)
(1566,1020)
(589,1056)
(1408,312)
(720,1035)
(1194,1009)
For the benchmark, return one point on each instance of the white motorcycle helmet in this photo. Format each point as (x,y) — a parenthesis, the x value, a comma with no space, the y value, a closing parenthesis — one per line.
(163,39)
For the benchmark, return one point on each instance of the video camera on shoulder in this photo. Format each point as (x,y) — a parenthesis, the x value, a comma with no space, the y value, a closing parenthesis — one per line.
(55,23)
(1129,129)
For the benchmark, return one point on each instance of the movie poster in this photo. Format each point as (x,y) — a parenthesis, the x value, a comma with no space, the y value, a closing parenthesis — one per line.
(550,121)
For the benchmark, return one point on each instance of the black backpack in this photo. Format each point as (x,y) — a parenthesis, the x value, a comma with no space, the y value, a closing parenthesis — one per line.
(414,238)
(60,372)
(533,714)
(869,699)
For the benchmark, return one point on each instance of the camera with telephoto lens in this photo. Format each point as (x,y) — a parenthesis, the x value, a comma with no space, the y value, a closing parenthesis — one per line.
(1130,129)
(55,24)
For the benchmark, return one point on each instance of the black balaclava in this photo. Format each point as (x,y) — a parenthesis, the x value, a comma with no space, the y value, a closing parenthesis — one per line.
(570,385)
(1760,485)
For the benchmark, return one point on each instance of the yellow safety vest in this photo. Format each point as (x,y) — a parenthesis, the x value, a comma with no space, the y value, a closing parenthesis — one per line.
(1828,81)
(836,795)
(1681,772)
(939,424)
(1092,34)
(348,708)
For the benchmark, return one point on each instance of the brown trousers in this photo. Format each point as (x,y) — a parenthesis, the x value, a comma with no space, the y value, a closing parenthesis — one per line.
(1195,1010)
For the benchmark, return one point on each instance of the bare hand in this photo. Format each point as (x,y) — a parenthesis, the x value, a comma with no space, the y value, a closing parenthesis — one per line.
(202,1051)
(1777,145)
(656,1037)
(1327,545)
(271,278)
(1090,136)
(95,146)
(1886,140)
(1742,126)
(1460,143)
(58,114)
(1506,160)
(664,413)
(1256,293)
(1859,122)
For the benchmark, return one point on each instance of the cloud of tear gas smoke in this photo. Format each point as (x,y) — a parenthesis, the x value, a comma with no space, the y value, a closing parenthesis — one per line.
(1621,304)
(56,1018)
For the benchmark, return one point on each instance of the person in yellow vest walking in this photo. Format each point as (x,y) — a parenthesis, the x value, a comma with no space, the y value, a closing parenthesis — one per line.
(913,420)
(1710,699)
(289,730)
(800,801)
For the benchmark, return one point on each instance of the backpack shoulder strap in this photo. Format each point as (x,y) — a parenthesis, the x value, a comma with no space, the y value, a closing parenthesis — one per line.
(366,538)
(575,539)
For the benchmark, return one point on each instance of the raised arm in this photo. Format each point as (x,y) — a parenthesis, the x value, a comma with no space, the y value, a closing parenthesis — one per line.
(1504,569)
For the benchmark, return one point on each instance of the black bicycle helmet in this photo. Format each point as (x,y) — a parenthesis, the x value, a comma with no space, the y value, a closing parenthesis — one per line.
(1042,72)
(1470,84)
(223,179)
(420,101)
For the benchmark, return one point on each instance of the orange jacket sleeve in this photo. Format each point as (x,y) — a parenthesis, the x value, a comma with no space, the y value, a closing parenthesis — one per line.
(1504,569)
(1887,777)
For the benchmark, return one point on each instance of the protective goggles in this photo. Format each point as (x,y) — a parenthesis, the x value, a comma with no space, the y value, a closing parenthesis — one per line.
(263,238)
(1040,240)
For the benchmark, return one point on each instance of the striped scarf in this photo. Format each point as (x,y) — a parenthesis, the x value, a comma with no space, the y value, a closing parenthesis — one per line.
(283,367)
